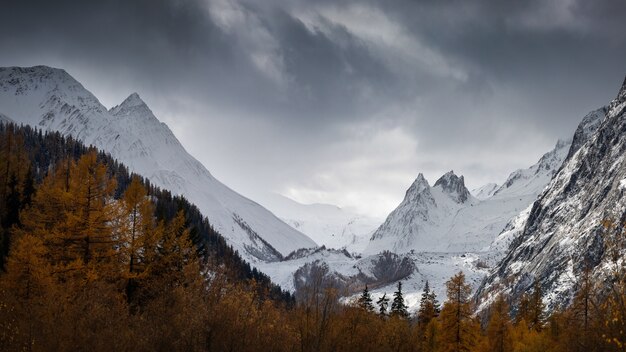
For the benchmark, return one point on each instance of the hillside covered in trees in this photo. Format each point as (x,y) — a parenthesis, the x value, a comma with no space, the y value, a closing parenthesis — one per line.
(97,259)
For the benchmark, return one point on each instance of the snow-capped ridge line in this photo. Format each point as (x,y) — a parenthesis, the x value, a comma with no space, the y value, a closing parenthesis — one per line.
(454,186)
(53,100)
(562,234)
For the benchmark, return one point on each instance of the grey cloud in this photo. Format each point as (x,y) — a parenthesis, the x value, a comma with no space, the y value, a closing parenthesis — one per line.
(481,87)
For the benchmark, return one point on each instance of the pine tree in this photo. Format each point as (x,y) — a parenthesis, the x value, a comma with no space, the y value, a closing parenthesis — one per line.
(365,301)
(137,235)
(523,309)
(383,303)
(75,217)
(614,306)
(435,303)
(429,307)
(426,323)
(458,328)
(23,291)
(28,189)
(398,307)
(498,333)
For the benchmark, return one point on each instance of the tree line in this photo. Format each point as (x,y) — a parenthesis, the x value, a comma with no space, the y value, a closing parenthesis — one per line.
(97,259)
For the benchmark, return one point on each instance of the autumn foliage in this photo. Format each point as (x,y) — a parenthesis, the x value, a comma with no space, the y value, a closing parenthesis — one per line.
(88,265)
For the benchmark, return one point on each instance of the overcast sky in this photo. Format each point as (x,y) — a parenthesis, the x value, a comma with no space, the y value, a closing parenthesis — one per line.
(340,102)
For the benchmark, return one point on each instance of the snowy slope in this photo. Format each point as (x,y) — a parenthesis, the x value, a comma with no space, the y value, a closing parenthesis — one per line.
(328,225)
(587,127)
(563,233)
(51,99)
(485,191)
(352,273)
(534,179)
(447,218)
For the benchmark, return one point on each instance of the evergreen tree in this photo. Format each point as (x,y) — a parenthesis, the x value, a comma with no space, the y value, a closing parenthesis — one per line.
(499,334)
(435,303)
(13,203)
(458,329)
(429,307)
(398,307)
(10,217)
(365,301)
(28,188)
(137,234)
(523,308)
(383,303)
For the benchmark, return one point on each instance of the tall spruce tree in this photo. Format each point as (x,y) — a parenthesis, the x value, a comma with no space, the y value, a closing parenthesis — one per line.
(428,309)
(365,301)
(398,307)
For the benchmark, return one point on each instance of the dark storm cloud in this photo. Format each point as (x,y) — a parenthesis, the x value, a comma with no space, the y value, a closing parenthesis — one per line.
(327,86)
(170,44)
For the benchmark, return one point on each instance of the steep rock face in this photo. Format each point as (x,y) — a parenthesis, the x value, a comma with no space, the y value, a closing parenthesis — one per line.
(563,232)
(52,100)
(587,127)
(454,186)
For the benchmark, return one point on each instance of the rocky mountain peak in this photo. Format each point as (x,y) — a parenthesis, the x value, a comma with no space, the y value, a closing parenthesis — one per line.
(587,127)
(454,186)
(618,105)
(133,100)
(419,185)
(622,91)
(562,234)
(133,104)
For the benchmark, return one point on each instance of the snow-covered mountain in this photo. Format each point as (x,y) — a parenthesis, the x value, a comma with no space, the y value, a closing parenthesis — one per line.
(535,178)
(328,225)
(585,130)
(447,218)
(52,100)
(485,191)
(562,234)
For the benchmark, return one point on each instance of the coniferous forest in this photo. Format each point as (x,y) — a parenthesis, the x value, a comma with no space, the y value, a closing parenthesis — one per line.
(97,259)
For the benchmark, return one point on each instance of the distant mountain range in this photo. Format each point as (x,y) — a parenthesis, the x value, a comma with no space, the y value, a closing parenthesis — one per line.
(543,223)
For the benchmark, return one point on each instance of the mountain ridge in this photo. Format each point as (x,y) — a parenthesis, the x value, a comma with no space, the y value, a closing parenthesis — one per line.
(53,100)
(563,233)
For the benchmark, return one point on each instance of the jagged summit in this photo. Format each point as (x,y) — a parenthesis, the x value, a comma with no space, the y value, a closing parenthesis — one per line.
(587,127)
(618,105)
(418,185)
(131,105)
(454,186)
(622,91)
(562,235)
(133,100)
(39,70)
